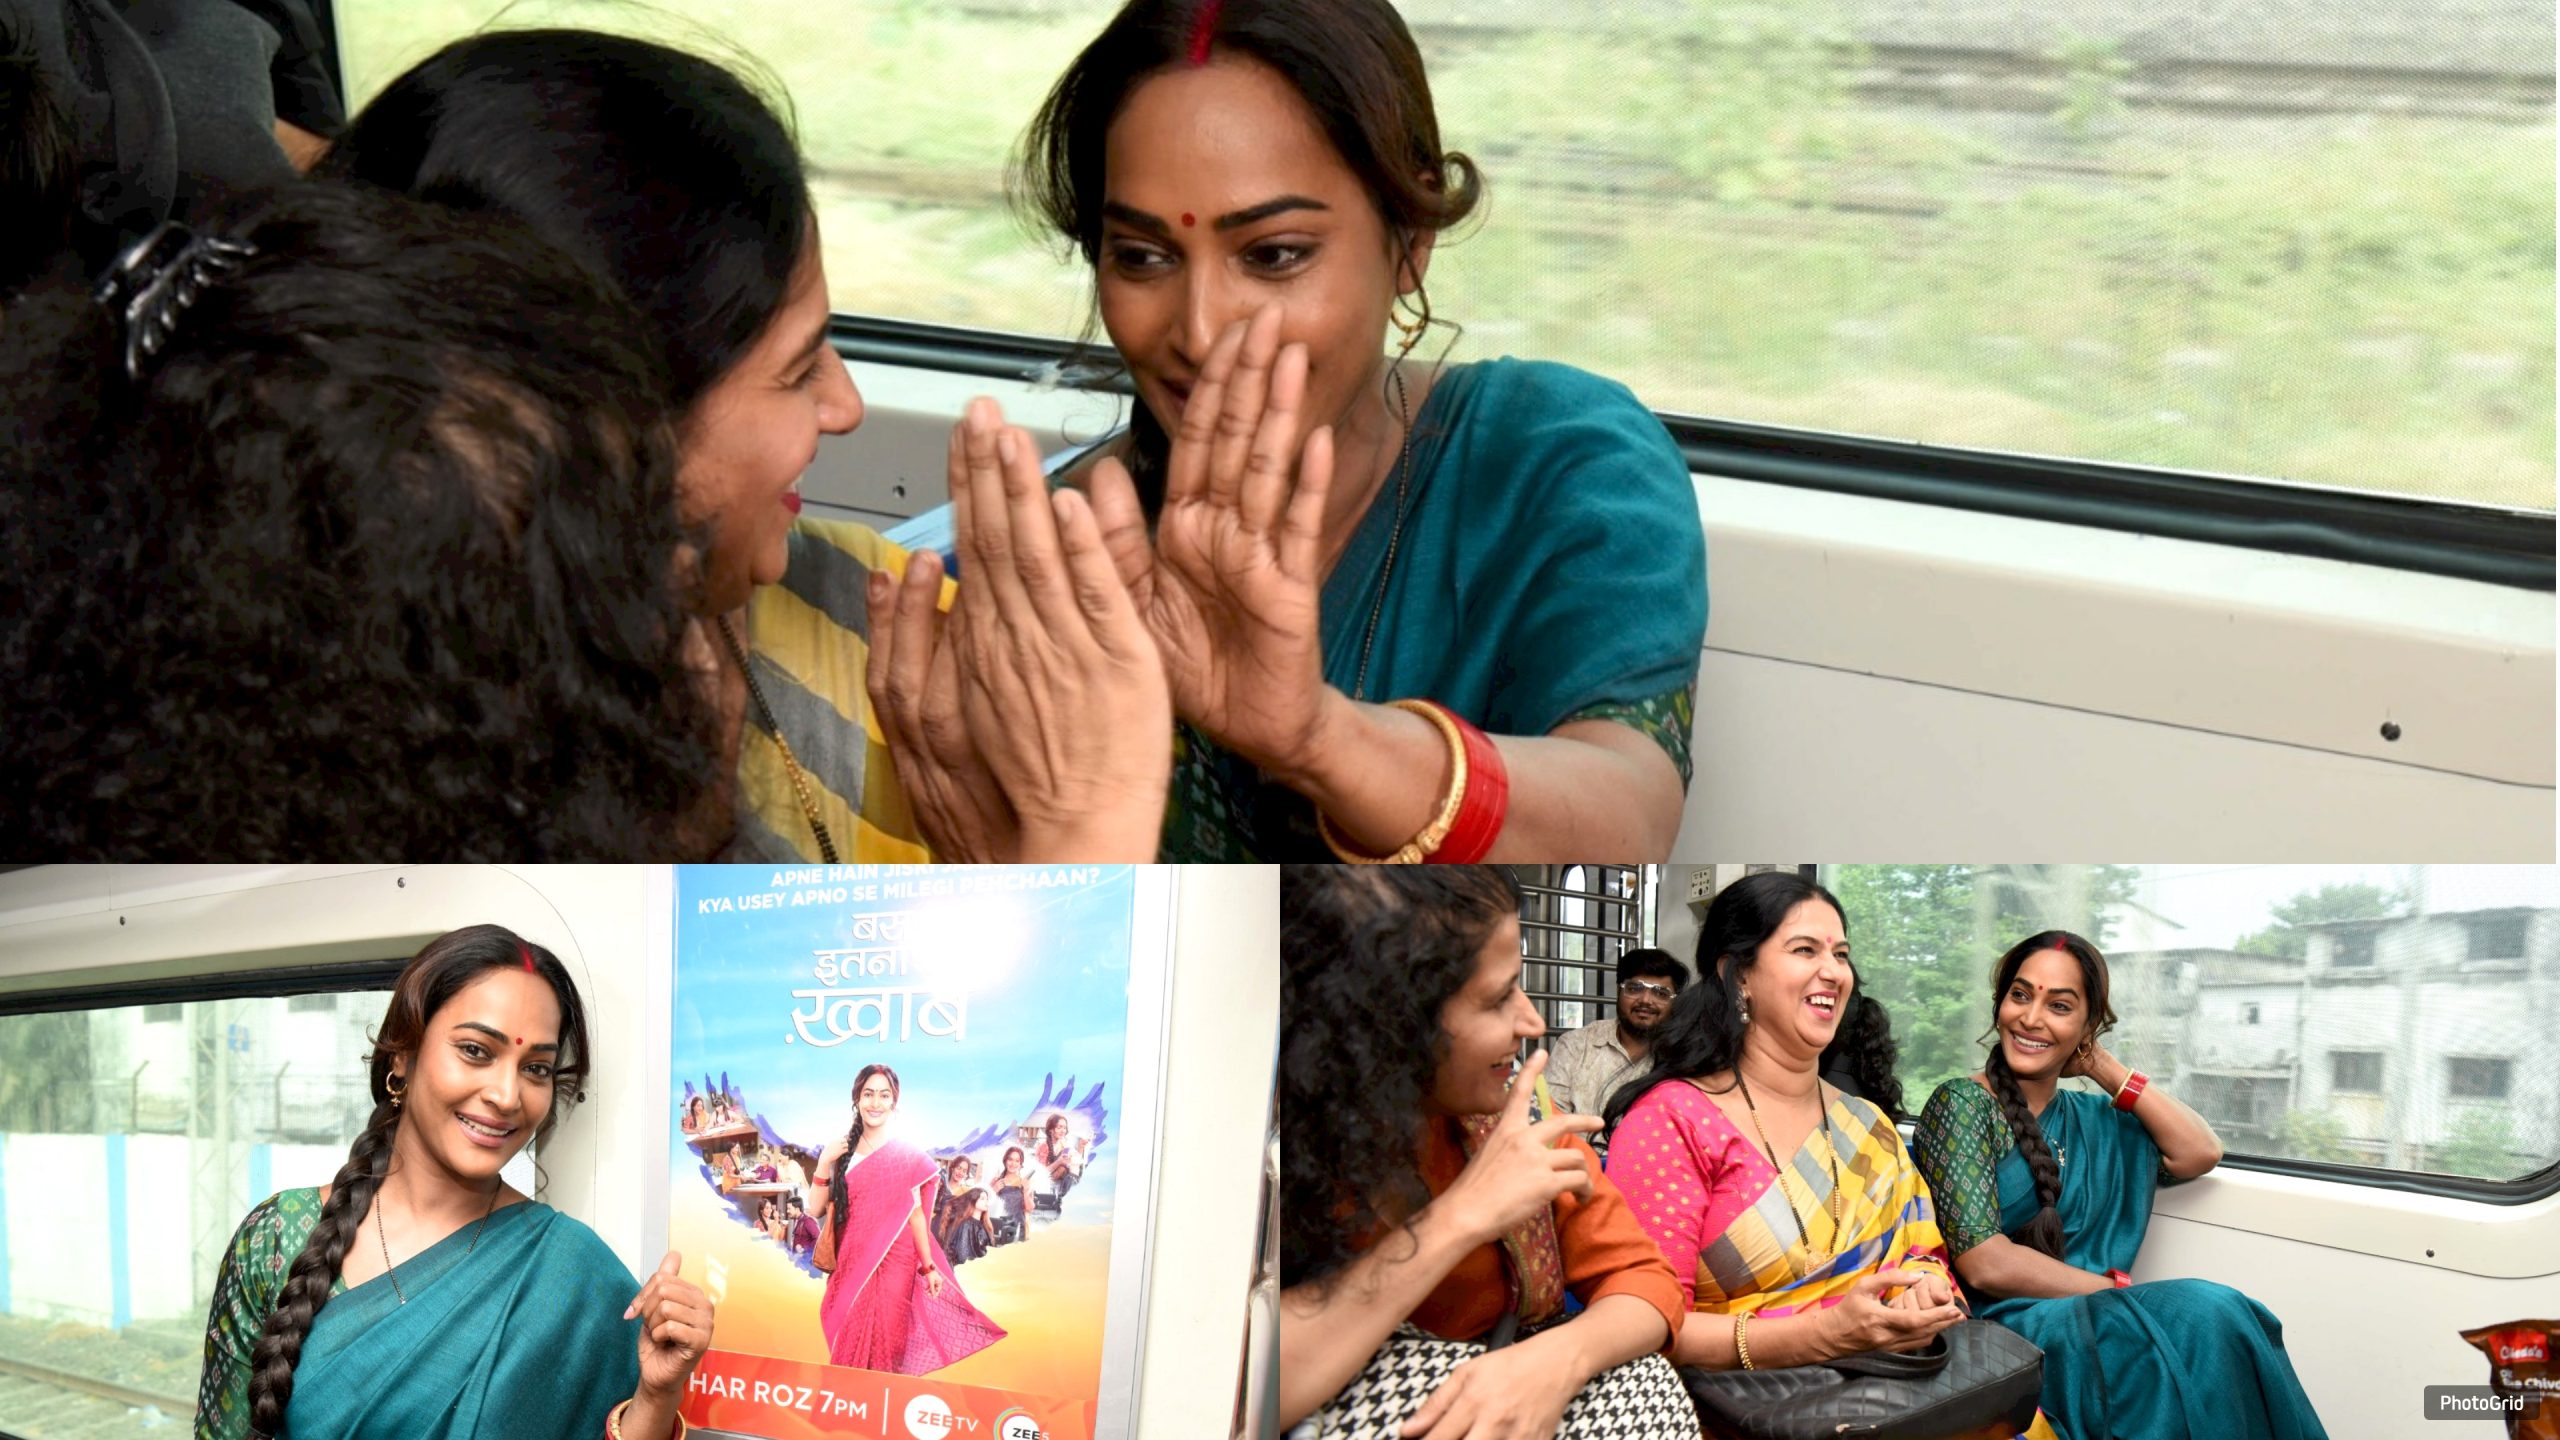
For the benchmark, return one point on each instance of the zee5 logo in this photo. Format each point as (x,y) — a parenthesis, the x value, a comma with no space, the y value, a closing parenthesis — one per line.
(1018,1425)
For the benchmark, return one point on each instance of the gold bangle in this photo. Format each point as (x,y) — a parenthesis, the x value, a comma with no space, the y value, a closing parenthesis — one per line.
(1741,1341)
(1433,835)
(613,1422)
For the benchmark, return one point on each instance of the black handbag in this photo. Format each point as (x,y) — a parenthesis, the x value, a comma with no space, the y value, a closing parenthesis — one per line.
(1973,1375)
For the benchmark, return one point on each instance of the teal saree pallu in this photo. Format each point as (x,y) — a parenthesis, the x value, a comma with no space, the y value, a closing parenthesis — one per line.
(2163,1360)
(519,1337)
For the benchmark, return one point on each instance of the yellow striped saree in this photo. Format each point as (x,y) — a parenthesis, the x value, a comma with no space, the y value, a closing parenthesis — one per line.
(808,641)
(1707,1194)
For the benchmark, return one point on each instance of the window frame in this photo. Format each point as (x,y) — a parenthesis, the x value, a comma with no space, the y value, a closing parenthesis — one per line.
(2381,1072)
(2491,544)
(2523,1190)
(2506,1074)
(1544,889)
(274,983)
(279,982)
(2478,924)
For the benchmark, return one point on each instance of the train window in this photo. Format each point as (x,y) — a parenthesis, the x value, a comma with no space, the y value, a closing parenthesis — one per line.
(132,1140)
(2206,242)
(2369,1021)
(1575,921)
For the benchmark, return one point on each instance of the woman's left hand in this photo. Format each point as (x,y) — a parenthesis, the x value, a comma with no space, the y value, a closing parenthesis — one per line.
(1232,596)
(675,1327)
(933,1282)
(914,682)
(1509,1394)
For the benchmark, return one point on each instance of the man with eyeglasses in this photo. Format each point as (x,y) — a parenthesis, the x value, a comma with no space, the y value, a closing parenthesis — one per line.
(1596,1059)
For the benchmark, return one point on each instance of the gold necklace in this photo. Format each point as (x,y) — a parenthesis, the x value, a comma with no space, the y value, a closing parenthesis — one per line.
(391,1271)
(773,731)
(1829,1151)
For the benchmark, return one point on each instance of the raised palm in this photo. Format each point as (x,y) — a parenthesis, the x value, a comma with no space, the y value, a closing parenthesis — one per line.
(1231,591)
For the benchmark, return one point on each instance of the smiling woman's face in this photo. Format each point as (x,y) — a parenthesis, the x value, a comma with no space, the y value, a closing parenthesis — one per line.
(1800,981)
(751,436)
(481,1081)
(1222,195)
(1485,1023)
(876,1100)
(2043,1014)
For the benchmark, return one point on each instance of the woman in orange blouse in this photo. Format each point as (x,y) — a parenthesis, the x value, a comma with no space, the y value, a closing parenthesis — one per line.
(1432,1225)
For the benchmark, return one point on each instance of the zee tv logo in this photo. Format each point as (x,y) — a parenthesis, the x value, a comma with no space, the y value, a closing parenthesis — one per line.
(928,1417)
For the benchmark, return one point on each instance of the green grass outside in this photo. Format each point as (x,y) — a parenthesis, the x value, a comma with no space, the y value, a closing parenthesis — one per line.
(2366,303)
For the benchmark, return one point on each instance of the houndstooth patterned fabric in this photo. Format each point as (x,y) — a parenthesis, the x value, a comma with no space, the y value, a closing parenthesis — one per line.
(1640,1400)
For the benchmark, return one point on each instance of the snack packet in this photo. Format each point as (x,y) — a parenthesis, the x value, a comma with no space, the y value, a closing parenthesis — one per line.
(2521,1368)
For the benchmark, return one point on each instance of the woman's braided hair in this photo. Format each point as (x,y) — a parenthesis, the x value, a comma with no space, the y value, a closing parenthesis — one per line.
(2044,1232)
(432,978)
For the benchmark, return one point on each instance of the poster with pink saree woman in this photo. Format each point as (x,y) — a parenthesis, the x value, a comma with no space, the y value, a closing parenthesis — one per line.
(894,1135)
(892,1301)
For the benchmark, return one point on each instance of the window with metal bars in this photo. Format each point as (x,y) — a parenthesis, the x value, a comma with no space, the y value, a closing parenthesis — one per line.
(1575,922)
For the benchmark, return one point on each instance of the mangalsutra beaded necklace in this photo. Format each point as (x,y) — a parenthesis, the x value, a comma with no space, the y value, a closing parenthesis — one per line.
(1830,1152)
(773,732)
(1395,533)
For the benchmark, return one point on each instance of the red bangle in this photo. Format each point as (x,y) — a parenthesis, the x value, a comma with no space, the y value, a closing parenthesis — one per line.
(2123,1281)
(2134,1082)
(1487,802)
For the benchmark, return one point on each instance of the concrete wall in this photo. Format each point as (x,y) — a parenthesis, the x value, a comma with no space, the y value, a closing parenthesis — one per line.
(103,1229)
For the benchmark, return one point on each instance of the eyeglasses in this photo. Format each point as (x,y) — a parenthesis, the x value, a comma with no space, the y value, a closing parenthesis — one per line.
(1647,987)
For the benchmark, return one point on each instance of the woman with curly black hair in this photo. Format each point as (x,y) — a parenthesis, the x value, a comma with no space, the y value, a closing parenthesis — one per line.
(1429,1217)
(1786,1207)
(472,1311)
(2047,1192)
(349,532)
(670,176)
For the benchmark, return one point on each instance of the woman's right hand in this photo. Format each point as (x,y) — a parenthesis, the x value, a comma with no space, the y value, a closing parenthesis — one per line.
(1865,1320)
(1060,683)
(1520,1167)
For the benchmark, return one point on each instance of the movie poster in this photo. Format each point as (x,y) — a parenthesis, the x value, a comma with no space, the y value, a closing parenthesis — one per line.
(897,1115)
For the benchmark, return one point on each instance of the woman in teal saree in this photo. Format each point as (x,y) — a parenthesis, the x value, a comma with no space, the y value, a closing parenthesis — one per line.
(418,1295)
(1403,608)
(2043,1196)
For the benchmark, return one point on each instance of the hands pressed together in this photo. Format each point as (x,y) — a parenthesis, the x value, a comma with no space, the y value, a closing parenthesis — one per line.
(1036,720)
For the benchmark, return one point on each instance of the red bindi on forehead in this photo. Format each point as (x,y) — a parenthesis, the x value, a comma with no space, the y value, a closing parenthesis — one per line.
(1187,220)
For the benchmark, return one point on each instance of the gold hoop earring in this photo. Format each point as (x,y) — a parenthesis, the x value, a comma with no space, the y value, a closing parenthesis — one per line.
(1411,329)
(395,1091)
